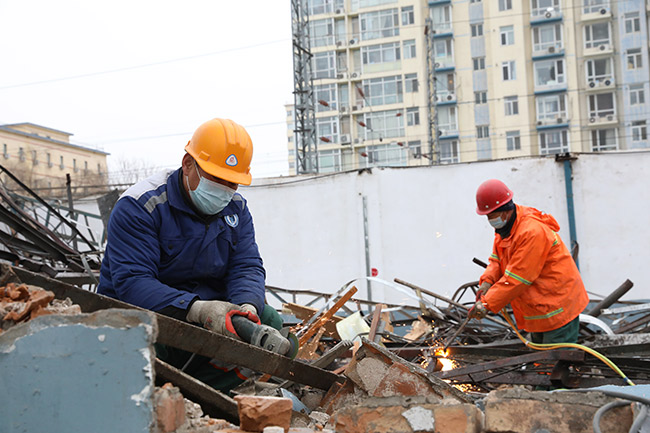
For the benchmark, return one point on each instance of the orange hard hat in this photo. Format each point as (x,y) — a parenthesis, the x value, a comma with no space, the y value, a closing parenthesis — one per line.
(491,195)
(223,149)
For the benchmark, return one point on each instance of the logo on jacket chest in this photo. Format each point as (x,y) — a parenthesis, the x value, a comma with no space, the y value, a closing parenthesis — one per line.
(232,220)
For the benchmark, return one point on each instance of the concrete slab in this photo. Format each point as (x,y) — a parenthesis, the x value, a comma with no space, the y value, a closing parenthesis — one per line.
(87,372)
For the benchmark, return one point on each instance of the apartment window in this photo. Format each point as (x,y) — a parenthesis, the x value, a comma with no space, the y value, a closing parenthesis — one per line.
(597,35)
(62,165)
(415,149)
(552,142)
(483,131)
(409,49)
(384,124)
(326,97)
(321,32)
(480,97)
(386,154)
(477,30)
(639,131)
(505,5)
(601,105)
(634,58)
(325,6)
(591,6)
(5,151)
(603,139)
(329,161)
(100,171)
(444,50)
(541,7)
(637,94)
(632,22)
(478,63)
(599,70)
(49,160)
(511,105)
(382,53)
(547,38)
(327,128)
(408,16)
(379,24)
(551,107)
(85,167)
(21,154)
(513,141)
(441,18)
(445,86)
(447,121)
(74,165)
(412,116)
(507,35)
(549,72)
(324,65)
(448,151)
(385,90)
(475,1)
(411,83)
(508,69)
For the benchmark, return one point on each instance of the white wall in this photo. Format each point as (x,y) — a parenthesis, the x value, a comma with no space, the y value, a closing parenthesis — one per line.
(423,227)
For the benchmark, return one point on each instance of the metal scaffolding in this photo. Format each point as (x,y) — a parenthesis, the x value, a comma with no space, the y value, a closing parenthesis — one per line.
(304,106)
(432,112)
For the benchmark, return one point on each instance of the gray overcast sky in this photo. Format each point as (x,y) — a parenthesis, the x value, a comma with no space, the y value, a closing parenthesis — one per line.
(136,77)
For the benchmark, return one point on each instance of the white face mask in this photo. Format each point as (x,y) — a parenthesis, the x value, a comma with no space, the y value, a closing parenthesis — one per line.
(209,197)
(498,223)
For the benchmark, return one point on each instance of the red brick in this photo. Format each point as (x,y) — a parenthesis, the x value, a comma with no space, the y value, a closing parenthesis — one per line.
(169,408)
(256,412)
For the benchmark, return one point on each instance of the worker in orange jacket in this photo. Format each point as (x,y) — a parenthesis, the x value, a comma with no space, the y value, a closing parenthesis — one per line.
(530,268)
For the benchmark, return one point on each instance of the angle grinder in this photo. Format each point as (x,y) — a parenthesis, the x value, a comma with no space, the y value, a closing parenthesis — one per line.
(281,342)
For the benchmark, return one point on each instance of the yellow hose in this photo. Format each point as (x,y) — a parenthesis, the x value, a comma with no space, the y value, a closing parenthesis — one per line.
(551,346)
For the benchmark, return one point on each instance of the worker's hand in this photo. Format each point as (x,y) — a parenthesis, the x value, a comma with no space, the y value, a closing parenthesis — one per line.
(212,315)
(483,289)
(478,311)
(249,308)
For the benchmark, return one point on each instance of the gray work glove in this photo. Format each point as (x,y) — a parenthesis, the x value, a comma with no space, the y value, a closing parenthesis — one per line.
(249,308)
(483,289)
(212,315)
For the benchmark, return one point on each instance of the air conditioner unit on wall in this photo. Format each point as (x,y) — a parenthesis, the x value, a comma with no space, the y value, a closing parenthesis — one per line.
(559,120)
(353,41)
(343,109)
(608,82)
(610,117)
(548,14)
(450,96)
(592,84)
(603,11)
(355,74)
(345,139)
(592,119)
(551,50)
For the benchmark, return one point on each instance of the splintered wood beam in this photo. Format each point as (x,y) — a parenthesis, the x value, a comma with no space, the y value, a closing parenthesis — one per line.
(327,316)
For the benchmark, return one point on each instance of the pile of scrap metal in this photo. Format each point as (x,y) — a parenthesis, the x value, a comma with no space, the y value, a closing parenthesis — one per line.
(36,235)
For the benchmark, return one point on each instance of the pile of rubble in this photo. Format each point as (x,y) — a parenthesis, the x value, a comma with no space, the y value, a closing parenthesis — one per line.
(394,377)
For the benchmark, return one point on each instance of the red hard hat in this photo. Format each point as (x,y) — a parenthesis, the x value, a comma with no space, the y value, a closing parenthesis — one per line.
(491,195)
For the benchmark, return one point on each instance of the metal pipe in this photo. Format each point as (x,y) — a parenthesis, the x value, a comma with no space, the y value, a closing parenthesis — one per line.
(611,298)
(568,182)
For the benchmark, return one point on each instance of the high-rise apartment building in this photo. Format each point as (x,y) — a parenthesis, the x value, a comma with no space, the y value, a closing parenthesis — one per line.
(506,78)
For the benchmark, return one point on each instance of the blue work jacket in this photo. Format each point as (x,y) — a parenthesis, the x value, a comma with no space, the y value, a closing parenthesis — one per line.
(162,253)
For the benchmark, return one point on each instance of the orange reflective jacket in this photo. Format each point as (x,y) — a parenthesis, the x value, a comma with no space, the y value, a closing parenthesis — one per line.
(533,270)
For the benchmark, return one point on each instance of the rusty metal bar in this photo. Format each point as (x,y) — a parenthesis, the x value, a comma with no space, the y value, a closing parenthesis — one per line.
(611,298)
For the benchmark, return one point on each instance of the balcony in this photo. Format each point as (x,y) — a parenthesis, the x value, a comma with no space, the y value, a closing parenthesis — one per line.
(598,47)
(445,97)
(596,10)
(444,63)
(602,118)
(548,50)
(601,82)
(545,15)
(441,30)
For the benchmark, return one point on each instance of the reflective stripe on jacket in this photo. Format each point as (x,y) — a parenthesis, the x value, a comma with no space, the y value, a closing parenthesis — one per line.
(161,253)
(533,270)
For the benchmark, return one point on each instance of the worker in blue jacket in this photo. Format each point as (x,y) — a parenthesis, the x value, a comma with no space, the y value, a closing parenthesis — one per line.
(182,243)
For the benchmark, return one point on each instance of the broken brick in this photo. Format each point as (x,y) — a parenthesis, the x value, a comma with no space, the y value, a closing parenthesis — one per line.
(256,412)
(169,407)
